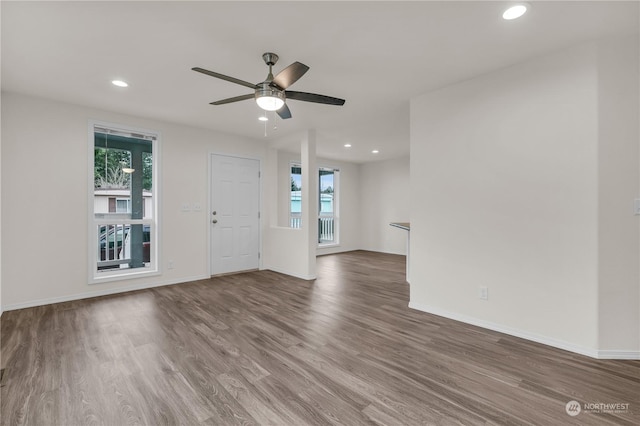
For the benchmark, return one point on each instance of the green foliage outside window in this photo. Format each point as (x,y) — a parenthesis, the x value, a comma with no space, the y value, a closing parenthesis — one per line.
(108,165)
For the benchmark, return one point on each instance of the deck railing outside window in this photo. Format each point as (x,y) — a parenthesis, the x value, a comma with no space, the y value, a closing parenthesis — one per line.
(114,246)
(296,220)
(326,227)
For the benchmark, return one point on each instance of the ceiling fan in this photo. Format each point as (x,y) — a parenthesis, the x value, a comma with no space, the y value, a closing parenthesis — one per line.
(271,94)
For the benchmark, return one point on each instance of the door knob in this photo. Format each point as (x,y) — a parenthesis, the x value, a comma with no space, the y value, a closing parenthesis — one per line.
(214,221)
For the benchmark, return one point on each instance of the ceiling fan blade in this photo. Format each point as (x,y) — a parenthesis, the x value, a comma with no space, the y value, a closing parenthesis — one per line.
(234,99)
(224,77)
(284,112)
(312,97)
(290,75)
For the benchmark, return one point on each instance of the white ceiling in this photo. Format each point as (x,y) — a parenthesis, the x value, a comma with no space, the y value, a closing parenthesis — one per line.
(376,55)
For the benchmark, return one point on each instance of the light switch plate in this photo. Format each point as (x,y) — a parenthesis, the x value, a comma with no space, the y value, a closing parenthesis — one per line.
(636,206)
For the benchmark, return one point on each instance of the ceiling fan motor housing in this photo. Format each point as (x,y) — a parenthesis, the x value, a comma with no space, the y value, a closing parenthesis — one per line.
(267,96)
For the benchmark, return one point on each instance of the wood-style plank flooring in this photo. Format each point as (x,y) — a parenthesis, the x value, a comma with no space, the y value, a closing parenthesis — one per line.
(264,348)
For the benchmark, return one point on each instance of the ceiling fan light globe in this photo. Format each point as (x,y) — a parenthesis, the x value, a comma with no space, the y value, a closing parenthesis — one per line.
(269,98)
(269,103)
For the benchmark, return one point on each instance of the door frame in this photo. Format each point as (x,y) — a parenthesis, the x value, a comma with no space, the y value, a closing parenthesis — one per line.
(210,206)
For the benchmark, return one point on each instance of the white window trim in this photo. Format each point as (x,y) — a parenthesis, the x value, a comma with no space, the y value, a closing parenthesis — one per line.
(336,202)
(336,206)
(123,274)
(292,164)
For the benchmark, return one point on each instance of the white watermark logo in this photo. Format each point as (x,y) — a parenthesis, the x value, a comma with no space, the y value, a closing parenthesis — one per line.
(573,408)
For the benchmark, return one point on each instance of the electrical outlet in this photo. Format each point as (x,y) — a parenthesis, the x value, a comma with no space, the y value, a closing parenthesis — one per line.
(197,207)
(170,264)
(186,207)
(483,293)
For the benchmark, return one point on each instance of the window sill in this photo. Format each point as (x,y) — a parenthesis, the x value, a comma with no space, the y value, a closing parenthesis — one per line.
(121,276)
(328,245)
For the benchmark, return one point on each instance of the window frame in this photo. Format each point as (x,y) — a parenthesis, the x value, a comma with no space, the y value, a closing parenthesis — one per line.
(336,205)
(153,269)
(293,165)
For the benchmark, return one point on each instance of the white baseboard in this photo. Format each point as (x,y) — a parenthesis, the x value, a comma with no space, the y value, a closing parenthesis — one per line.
(378,250)
(282,271)
(545,340)
(619,354)
(89,294)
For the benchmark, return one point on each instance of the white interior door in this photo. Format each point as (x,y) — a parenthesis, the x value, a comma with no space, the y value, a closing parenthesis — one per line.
(235,214)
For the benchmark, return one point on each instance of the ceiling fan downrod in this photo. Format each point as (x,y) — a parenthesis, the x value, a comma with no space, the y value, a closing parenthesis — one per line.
(270,59)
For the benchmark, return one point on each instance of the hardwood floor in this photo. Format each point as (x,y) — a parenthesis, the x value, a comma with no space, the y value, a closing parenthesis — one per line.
(264,348)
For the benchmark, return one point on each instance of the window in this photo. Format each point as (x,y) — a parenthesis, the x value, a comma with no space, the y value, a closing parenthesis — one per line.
(327,203)
(123,222)
(327,217)
(295,212)
(123,205)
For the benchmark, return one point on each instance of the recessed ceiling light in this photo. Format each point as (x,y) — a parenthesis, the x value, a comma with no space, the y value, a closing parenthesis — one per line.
(120,83)
(515,11)
(347,145)
(375,151)
(263,118)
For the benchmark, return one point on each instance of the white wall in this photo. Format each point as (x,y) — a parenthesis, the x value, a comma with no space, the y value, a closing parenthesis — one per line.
(44,163)
(288,250)
(384,198)
(1,306)
(523,181)
(504,195)
(619,176)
